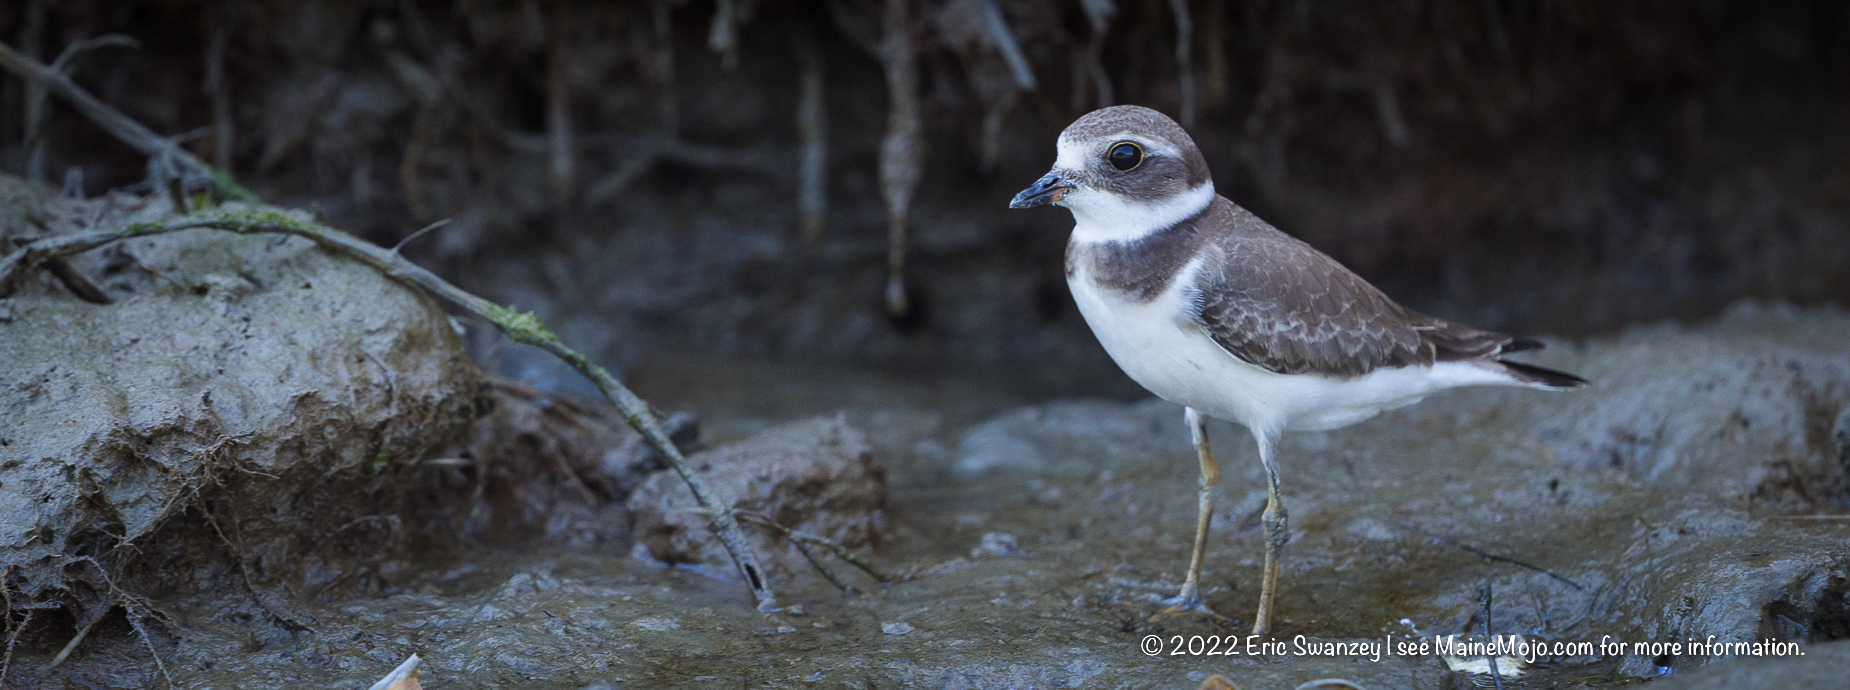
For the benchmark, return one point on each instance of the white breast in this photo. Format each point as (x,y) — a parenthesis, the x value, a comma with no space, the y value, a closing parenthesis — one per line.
(1161,347)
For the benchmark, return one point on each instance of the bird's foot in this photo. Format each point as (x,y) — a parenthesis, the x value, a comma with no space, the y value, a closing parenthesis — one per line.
(1186,604)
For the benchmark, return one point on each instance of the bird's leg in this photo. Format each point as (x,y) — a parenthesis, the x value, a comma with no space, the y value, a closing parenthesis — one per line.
(1190,598)
(1277,529)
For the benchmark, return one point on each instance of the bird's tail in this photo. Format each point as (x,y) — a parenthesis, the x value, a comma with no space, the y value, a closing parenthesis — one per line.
(1540,377)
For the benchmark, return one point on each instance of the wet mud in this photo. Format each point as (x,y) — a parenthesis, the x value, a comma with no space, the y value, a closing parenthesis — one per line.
(1677,497)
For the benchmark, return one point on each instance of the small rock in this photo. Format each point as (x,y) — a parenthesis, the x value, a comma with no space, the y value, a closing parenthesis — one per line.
(896,628)
(816,476)
(1218,682)
(656,623)
(996,544)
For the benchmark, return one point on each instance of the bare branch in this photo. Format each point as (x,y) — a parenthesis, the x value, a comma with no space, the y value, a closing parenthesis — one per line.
(841,552)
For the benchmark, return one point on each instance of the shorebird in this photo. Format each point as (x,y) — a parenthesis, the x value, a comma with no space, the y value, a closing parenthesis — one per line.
(1208,306)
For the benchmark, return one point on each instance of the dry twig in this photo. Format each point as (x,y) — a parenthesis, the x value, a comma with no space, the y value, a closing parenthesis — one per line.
(841,552)
(1486,555)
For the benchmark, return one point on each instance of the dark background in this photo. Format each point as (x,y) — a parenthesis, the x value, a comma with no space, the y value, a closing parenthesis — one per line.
(1552,168)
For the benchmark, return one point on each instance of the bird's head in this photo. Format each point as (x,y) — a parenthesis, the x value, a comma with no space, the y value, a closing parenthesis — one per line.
(1124,166)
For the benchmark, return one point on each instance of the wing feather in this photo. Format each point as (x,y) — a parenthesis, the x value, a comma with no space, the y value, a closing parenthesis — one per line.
(1279,304)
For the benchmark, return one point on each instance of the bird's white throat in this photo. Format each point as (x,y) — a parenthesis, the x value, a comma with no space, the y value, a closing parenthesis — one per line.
(1101,216)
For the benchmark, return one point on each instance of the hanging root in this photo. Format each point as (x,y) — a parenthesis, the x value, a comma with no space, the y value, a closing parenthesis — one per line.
(723,37)
(559,113)
(83,631)
(6,664)
(408,178)
(1213,44)
(996,25)
(218,89)
(902,151)
(999,101)
(135,616)
(1185,31)
(812,126)
(664,68)
(134,606)
(1098,14)
(272,603)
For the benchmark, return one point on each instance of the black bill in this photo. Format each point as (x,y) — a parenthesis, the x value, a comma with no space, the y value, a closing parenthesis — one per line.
(1044,191)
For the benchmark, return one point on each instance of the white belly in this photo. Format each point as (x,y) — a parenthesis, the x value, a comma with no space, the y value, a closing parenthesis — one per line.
(1160,346)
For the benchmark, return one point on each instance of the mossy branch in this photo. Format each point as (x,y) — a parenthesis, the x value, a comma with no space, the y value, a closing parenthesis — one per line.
(520,326)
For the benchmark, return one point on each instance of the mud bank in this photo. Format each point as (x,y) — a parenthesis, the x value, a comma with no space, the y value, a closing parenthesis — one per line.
(1036,541)
(347,491)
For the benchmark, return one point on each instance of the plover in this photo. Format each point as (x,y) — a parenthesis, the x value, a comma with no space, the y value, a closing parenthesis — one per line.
(1208,306)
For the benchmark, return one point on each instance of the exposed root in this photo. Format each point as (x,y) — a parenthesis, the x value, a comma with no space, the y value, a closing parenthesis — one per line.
(75,281)
(83,631)
(723,37)
(272,603)
(135,615)
(6,663)
(414,157)
(559,114)
(642,155)
(1185,32)
(1098,13)
(1004,39)
(664,68)
(217,87)
(1214,48)
(812,127)
(1480,553)
(136,608)
(902,151)
(834,547)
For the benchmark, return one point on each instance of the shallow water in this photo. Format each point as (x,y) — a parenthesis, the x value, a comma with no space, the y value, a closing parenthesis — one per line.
(1034,539)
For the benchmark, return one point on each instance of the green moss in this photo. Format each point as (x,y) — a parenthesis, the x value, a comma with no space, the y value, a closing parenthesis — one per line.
(521,326)
(380,460)
(142,228)
(226,188)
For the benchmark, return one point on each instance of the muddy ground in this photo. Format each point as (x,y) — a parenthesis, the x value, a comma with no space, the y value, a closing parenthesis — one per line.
(1033,538)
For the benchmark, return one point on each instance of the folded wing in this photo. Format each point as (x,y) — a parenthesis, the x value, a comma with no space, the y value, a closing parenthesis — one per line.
(1279,304)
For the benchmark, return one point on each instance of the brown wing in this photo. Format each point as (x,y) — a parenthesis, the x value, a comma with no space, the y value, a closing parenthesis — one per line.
(1281,305)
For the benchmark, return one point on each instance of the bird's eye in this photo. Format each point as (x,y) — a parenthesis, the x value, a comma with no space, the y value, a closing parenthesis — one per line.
(1125,155)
